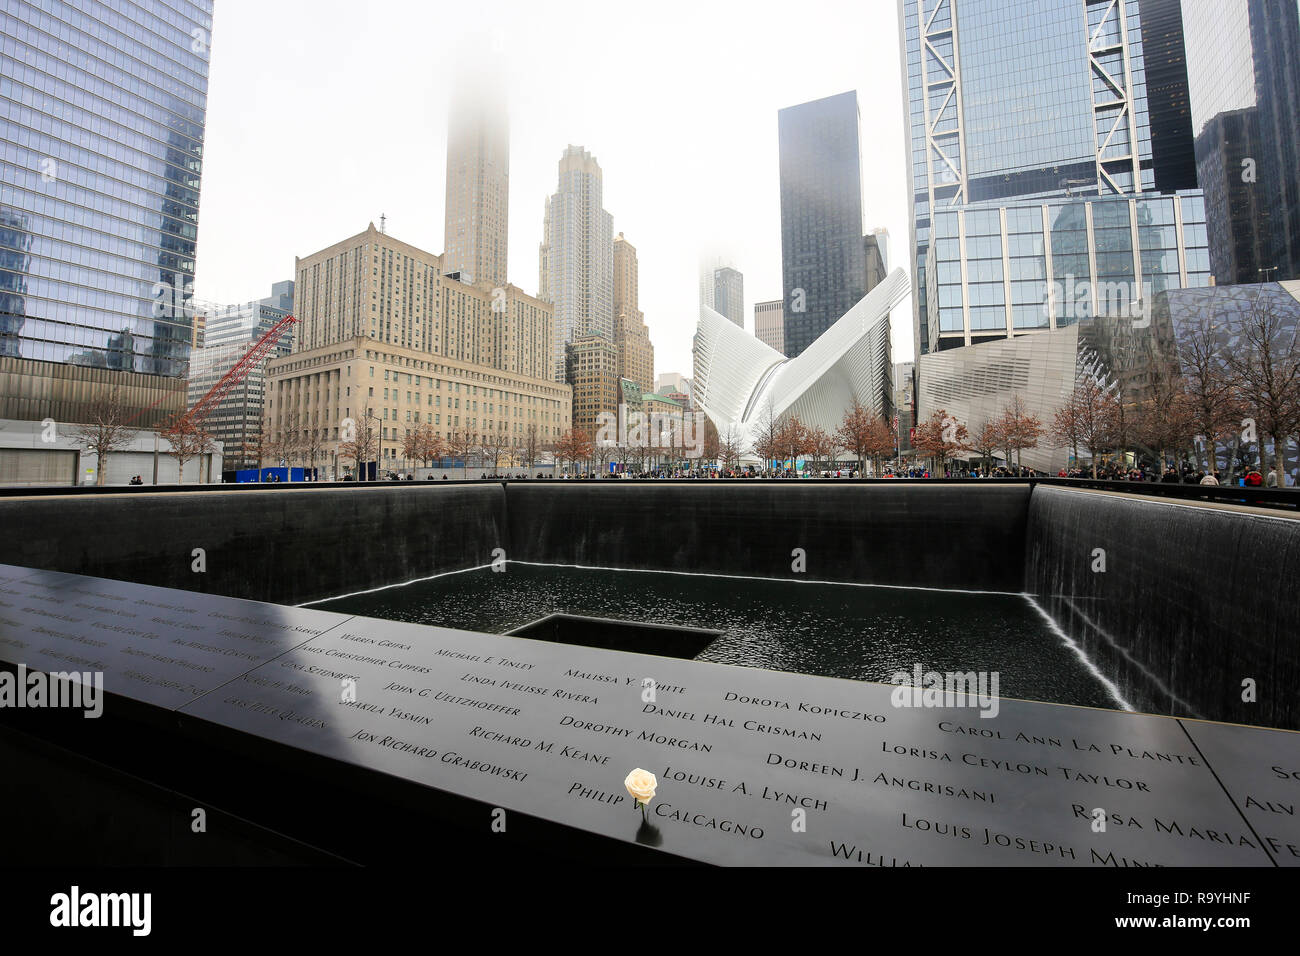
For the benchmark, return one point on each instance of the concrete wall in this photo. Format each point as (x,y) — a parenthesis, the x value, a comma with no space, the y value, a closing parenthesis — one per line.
(21,440)
(1194,599)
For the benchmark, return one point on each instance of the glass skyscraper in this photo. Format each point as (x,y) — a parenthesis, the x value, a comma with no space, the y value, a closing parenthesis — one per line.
(1012,103)
(729,294)
(1243,65)
(997,269)
(824,254)
(102,110)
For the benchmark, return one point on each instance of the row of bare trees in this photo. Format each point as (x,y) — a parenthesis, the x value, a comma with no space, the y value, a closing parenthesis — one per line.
(108,430)
(1234,383)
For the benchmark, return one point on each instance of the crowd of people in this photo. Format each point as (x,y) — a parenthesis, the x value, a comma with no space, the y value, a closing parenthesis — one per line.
(1185,474)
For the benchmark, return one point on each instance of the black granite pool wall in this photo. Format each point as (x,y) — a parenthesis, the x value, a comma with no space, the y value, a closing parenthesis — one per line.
(287,548)
(957,536)
(1177,603)
(1194,598)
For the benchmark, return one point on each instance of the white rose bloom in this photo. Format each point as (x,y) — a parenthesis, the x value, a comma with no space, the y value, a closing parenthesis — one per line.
(641,785)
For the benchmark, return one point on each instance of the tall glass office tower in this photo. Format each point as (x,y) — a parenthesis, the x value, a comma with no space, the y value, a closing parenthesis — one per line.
(1243,65)
(826,261)
(1012,103)
(102,110)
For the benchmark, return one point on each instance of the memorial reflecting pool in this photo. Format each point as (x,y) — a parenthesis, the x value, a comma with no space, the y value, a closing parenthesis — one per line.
(831,630)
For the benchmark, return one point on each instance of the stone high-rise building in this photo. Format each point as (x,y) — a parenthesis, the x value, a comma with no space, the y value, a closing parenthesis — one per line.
(636,354)
(591,368)
(576,258)
(478,188)
(769,324)
(382,288)
(375,313)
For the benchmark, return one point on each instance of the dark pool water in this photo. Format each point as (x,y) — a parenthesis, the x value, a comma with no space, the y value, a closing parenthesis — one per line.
(833,630)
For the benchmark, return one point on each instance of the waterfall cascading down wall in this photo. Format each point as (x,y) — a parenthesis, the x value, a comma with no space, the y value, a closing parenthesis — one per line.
(939,536)
(261,545)
(1180,605)
(1194,598)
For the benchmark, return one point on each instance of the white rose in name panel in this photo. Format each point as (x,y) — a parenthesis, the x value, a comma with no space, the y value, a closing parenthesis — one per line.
(641,784)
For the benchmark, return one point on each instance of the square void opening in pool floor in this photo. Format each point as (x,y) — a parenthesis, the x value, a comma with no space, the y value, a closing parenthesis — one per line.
(800,627)
(611,635)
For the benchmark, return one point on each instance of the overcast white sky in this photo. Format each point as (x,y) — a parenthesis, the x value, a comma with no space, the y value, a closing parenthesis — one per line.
(323,114)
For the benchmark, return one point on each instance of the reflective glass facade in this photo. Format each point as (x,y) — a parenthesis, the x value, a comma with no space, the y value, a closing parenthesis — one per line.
(102,108)
(1228,309)
(823,251)
(1013,100)
(999,270)
(1169,108)
(1024,59)
(1243,66)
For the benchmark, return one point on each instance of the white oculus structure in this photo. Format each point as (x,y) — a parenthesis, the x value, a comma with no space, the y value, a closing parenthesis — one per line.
(741,382)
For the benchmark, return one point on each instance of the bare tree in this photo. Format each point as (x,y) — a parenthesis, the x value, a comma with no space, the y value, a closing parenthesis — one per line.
(941,437)
(574,445)
(1018,429)
(290,437)
(459,444)
(987,441)
(1208,385)
(104,432)
(187,439)
(492,447)
(531,445)
(730,448)
(1064,432)
(604,453)
(1264,360)
(363,445)
(793,441)
(1166,421)
(1096,414)
(313,446)
(766,435)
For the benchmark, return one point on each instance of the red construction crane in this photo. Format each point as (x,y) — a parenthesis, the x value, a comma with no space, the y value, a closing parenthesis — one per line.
(238,372)
(250,360)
